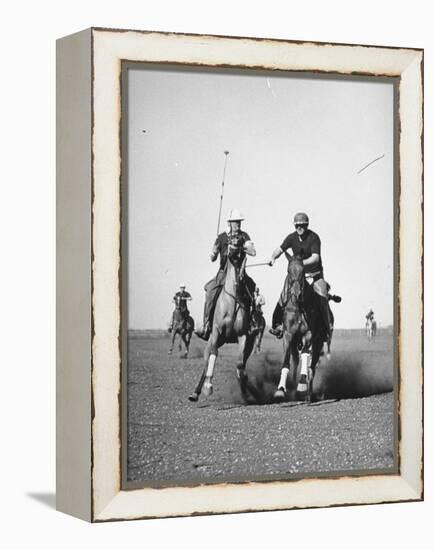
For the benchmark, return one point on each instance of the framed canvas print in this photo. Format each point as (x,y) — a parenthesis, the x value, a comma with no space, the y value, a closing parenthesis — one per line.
(239,274)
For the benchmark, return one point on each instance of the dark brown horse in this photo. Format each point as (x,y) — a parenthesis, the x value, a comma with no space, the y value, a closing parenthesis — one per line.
(303,332)
(230,325)
(183,324)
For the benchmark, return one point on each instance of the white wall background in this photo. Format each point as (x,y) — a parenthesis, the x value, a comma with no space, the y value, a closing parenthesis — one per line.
(29,30)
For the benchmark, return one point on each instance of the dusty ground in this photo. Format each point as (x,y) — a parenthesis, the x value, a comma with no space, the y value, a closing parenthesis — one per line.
(221,437)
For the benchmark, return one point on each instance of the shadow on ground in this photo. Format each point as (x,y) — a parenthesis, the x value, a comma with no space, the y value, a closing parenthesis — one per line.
(47,499)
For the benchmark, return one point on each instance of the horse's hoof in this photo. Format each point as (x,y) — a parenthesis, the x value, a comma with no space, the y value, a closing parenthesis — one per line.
(328,356)
(280,394)
(242,379)
(193,397)
(302,385)
(207,389)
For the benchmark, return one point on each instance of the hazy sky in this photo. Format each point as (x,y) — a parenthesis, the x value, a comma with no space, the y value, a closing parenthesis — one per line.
(296,144)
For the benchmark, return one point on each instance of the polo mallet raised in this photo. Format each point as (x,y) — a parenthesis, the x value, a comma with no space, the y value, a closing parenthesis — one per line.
(195,395)
(222,192)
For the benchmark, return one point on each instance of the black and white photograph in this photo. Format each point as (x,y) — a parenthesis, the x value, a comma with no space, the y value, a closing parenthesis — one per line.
(259,275)
(218,240)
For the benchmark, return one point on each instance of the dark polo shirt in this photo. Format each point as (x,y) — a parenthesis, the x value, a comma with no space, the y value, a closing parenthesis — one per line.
(304,246)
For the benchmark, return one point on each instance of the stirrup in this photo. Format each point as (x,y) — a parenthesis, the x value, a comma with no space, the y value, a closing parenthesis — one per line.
(203,333)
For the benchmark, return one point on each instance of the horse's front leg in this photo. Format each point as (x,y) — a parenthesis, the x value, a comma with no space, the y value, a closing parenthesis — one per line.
(184,340)
(280,393)
(210,356)
(173,341)
(187,343)
(245,348)
(316,353)
(305,363)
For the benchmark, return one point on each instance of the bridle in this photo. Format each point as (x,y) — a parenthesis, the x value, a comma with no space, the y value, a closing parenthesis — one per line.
(295,293)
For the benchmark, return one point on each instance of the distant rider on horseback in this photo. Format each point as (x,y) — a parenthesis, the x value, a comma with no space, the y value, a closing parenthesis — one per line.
(305,243)
(370,315)
(231,239)
(180,300)
(259,301)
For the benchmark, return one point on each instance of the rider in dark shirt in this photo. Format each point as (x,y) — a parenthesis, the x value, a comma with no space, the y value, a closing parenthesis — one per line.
(305,243)
(235,238)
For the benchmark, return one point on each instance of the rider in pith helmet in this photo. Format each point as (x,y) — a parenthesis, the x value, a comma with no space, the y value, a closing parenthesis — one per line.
(259,300)
(305,243)
(180,299)
(234,237)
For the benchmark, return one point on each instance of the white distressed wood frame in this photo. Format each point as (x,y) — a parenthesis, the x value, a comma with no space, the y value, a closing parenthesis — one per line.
(88,358)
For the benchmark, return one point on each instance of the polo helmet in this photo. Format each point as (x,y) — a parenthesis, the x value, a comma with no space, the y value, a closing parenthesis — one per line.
(301,217)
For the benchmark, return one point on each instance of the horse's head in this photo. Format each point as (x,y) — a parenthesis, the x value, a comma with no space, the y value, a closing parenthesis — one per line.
(295,280)
(180,306)
(236,252)
(295,268)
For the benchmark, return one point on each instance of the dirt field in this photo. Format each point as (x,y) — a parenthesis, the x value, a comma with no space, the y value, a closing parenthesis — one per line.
(222,438)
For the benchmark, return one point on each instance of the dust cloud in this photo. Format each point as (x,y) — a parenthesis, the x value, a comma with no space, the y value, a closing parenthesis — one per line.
(345,376)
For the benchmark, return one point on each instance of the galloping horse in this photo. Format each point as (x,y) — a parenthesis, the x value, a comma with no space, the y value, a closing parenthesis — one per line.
(230,325)
(371,328)
(183,325)
(303,331)
(260,324)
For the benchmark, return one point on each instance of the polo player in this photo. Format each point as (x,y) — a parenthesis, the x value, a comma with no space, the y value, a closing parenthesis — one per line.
(259,301)
(180,299)
(306,244)
(233,238)
(370,315)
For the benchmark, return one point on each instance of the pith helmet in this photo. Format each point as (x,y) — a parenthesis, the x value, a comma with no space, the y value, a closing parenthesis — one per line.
(235,215)
(301,217)
(181,285)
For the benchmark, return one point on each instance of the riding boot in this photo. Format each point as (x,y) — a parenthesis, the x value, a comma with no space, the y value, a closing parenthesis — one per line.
(277,321)
(325,315)
(205,330)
